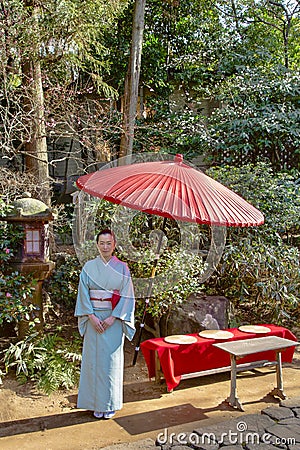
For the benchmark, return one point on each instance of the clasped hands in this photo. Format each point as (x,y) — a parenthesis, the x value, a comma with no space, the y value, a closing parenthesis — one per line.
(101,325)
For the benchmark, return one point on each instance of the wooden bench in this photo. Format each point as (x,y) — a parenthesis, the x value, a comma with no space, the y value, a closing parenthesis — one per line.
(241,348)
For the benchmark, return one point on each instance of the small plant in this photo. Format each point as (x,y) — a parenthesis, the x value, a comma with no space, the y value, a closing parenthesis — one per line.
(63,282)
(15,289)
(15,298)
(49,361)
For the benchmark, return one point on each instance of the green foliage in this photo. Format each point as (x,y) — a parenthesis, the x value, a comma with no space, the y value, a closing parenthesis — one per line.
(260,279)
(177,270)
(49,361)
(259,270)
(259,119)
(186,270)
(15,289)
(276,195)
(66,36)
(9,234)
(63,282)
(171,132)
(15,298)
(62,225)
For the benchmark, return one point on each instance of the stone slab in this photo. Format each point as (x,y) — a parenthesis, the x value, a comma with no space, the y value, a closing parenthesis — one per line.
(291,402)
(285,433)
(260,446)
(145,444)
(276,413)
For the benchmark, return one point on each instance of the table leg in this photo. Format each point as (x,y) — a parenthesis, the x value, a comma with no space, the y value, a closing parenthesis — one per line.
(278,391)
(233,399)
(157,368)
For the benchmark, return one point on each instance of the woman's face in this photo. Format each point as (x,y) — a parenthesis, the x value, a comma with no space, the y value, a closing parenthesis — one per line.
(106,246)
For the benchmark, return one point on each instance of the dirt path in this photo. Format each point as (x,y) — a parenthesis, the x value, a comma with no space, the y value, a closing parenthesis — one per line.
(30,420)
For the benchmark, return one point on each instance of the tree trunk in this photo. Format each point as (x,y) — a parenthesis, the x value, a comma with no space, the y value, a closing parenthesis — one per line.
(132,83)
(36,155)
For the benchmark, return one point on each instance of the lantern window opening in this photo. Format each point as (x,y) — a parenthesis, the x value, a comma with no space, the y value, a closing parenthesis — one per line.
(33,242)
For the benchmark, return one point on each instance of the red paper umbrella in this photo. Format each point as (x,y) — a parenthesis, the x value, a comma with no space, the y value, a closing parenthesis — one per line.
(171,189)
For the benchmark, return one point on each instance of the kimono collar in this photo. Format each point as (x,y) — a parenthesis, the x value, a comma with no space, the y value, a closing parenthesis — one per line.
(106,263)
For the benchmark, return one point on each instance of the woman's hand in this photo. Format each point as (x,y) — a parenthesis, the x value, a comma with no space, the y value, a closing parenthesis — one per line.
(97,323)
(108,322)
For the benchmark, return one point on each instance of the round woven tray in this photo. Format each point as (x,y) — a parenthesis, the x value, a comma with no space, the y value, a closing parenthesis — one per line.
(259,329)
(180,339)
(216,334)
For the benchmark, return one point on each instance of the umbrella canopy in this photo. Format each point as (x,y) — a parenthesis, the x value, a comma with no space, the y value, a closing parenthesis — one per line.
(171,189)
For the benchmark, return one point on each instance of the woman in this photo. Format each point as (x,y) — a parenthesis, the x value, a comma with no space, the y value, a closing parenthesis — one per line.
(103,326)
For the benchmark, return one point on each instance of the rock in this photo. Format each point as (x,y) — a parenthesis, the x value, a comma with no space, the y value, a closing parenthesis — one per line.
(145,444)
(199,312)
(291,402)
(285,434)
(260,446)
(278,413)
(252,423)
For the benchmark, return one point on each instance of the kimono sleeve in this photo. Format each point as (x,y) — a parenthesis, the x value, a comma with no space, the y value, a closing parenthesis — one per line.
(124,310)
(83,304)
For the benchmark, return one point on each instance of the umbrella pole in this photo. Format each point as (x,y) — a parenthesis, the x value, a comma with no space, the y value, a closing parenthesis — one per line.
(149,292)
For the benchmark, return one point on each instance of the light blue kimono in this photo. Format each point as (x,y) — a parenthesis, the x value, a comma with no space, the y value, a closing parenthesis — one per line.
(102,366)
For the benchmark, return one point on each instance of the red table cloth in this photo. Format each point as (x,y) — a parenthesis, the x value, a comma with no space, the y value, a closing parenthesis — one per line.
(179,359)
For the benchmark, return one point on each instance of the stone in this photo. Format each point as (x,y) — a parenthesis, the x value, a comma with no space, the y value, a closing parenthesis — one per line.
(291,402)
(195,441)
(253,422)
(225,434)
(189,317)
(286,434)
(278,413)
(179,447)
(260,446)
(203,446)
(145,444)
(290,421)
(233,447)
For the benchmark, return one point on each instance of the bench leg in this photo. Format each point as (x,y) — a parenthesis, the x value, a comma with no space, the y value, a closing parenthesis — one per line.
(278,391)
(233,399)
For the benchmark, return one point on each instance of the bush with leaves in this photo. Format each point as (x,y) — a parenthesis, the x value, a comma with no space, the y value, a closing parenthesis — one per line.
(49,361)
(261,279)
(15,298)
(171,131)
(15,289)
(177,270)
(63,282)
(259,270)
(276,195)
(259,119)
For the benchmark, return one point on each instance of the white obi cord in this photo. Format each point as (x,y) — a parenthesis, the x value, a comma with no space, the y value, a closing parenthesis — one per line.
(99,294)
(101,304)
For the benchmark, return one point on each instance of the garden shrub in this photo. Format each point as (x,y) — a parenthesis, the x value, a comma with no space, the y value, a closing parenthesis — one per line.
(259,270)
(63,282)
(15,289)
(50,361)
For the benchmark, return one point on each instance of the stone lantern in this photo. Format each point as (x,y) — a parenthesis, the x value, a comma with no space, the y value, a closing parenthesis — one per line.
(32,216)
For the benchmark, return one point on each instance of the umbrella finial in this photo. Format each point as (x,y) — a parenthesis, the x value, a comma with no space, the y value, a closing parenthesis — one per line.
(178,158)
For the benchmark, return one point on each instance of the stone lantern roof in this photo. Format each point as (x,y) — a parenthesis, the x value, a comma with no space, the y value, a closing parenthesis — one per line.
(29,209)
